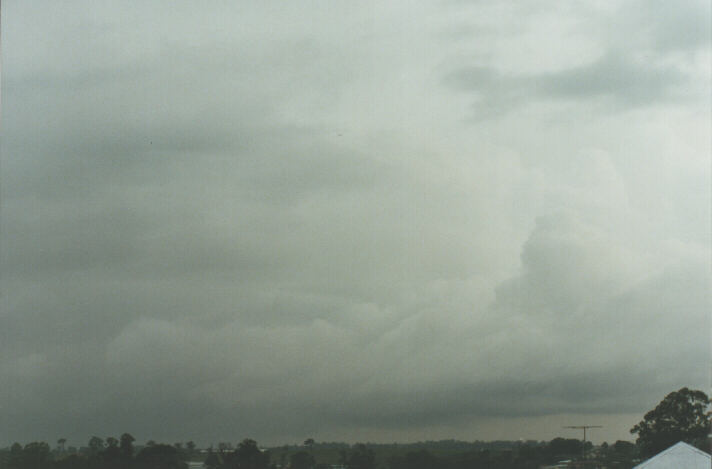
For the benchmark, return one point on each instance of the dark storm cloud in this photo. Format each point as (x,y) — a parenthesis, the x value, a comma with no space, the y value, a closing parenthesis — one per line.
(253,221)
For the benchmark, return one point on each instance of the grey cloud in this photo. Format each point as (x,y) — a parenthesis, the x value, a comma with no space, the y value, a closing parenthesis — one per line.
(253,222)
(645,57)
(614,76)
(323,370)
(684,26)
(566,265)
(619,81)
(372,380)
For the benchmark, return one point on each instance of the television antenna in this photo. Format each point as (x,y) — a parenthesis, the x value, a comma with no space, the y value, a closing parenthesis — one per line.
(584,428)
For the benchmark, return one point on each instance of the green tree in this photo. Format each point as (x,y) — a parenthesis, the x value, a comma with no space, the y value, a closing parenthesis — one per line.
(682,416)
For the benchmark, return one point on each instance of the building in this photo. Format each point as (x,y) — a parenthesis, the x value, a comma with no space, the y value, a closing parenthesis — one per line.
(680,455)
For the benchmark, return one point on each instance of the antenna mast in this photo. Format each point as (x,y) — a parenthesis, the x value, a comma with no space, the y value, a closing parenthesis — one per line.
(584,427)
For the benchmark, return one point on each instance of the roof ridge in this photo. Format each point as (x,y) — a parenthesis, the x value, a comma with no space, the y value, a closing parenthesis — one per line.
(680,444)
(695,448)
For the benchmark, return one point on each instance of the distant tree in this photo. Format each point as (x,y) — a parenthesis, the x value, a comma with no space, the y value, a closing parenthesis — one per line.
(421,459)
(126,445)
(224,447)
(284,450)
(60,444)
(360,457)
(624,448)
(160,456)
(604,450)
(247,456)
(343,457)
(112,455)
(36,455)
(681,416)
(14,459)
(73,461)
(560,447)
(96,446)
(212,461)
(620,454)
(301,460)
(190,447)
(477,460)
(309,444)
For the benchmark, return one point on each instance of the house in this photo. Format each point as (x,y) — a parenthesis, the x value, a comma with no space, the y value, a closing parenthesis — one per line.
(680,455)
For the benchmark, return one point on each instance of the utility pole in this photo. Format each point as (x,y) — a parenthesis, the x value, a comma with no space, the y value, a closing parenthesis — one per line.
(584,427)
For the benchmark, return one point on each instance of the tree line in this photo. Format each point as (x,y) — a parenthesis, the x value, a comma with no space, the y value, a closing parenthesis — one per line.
(682,415)
(120,454)
(111,453)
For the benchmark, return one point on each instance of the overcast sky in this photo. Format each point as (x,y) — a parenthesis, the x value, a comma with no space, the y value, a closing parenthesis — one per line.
(383,221)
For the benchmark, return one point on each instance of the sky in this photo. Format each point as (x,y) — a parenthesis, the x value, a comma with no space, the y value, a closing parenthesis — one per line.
(351,221)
